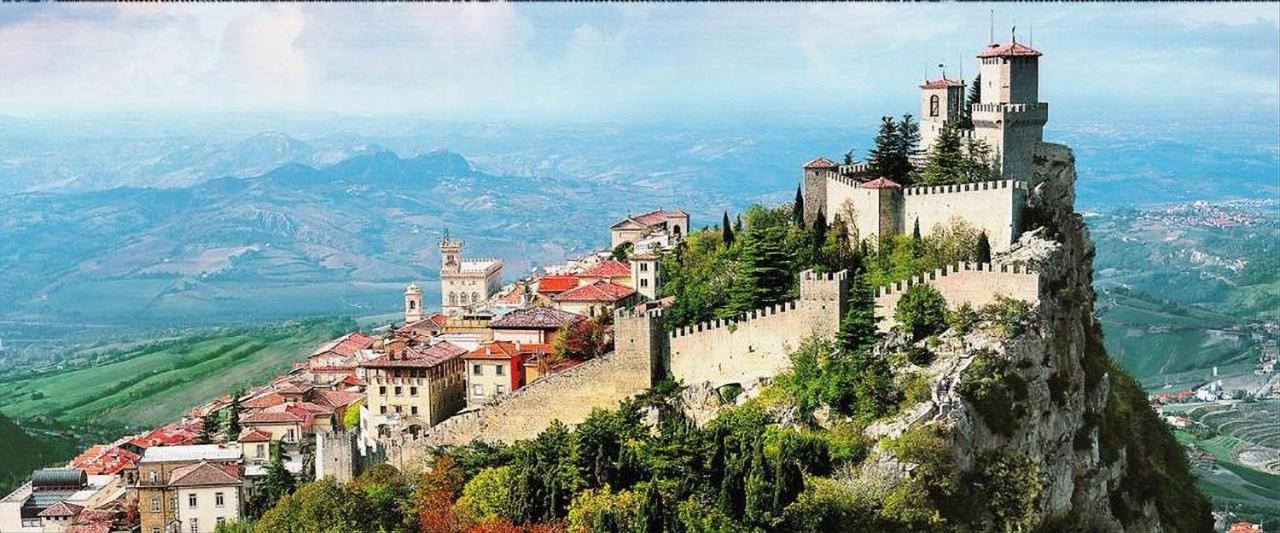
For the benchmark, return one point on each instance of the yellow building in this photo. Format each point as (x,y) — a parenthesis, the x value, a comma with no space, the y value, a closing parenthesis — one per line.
(410,389)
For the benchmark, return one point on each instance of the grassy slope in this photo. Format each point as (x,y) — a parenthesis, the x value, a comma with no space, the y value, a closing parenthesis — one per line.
(153,385)
(1251,493)
(21,453)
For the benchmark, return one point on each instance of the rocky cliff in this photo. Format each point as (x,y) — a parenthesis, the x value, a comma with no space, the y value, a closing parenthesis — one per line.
(1044,432)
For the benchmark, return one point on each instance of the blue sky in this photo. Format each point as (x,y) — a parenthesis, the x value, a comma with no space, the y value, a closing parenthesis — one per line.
(574,62)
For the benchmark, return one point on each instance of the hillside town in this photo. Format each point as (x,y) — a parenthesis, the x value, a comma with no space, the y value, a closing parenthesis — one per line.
(485,350)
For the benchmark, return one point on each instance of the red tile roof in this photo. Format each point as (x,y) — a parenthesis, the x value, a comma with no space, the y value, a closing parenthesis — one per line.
(61,509)
(820,163)
(600,291)
(543,318)
(880,183)
(941,83)
(656,217)
(204,473)
(271,417)
(253,435)
(507,350)
(556,284)
(419,357)
(607,269)
(336,398)
(264,401)
(104,460)
(346,346)
(1013,49)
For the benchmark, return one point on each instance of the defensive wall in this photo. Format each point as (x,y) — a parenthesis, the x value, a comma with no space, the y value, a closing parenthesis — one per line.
(568,396)
(757,345)
(991,206)
(976,284)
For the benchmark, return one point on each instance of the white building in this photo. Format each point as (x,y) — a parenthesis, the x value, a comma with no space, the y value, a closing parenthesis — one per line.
(208,494)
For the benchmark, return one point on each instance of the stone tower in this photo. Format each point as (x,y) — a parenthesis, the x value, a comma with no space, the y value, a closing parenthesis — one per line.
(450,255)
(940,104)
(814,187)
(1010,118)
(824,297)
(412,303)
(644,275)
(639,336)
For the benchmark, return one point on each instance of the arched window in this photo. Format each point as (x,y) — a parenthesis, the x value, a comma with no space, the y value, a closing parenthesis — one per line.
(933,105)
(453,298)
(676,231)
(413,305)
(475,297)
(463,300)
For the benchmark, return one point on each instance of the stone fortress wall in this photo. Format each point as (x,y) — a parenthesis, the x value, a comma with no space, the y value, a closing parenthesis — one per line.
(758,344)
(568,396)
(991,206)
(976,284)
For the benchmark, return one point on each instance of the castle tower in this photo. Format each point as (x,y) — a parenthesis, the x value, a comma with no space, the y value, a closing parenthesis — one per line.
(940,104)
(824,297)
(412,303)
(450,255)
(644,275)
(814,187)
(1009,118)
(466,284)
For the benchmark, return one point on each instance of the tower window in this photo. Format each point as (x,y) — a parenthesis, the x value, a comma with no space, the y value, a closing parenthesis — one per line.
(413,305)
(933,105)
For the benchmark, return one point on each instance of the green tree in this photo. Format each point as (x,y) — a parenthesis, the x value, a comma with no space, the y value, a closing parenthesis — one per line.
(917,242)
(622,251)
(759,489)
(921,311)
(726,232)
(278,482)
(882,159)
(982,253)
(210,426)
(322,505)
(946,163)
(544,476)
(857,330)
(233,416)
(908,145)
(488,494)
(652,517)
(975,96)
(764,276)
(797,209)
(819,234)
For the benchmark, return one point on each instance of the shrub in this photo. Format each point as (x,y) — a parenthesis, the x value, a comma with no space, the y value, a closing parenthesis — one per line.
(602,507)
(994,390)
(1008,316)
(921,311)
(825,506)
(962,319)
(488,494)
(1011,485)
(915,388)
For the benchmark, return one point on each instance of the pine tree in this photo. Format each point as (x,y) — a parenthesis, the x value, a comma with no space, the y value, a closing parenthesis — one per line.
(917,242)
(907,146)
(857,329)
(797,209)
(788,480)
(209,426)
(819,234)
(233,416)
(759,489)
(848,157)
(975,96)
(737,225)
(946,164)
(881,158)
(652,517)
(764,274)
(278,481)
(726,232)
(982,252)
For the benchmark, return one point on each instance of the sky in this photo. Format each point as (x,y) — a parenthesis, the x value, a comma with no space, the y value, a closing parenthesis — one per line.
(618,62)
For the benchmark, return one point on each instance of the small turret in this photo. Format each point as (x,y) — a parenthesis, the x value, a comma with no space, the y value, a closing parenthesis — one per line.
(412,303)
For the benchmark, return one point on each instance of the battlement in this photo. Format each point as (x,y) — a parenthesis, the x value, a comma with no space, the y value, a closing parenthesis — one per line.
(631,312)
(718,323)
(810,275)
(964,266)
(1011,108)
(964,187)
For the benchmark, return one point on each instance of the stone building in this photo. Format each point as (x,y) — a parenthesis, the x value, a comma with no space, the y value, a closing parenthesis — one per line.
(633,228)
(410,389)
(1008,119)
(465,284)
(158,503)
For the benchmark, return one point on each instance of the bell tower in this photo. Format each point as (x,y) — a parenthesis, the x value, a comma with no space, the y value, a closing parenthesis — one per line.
(412,303)
(450,255)
(940,104)
(1010,119)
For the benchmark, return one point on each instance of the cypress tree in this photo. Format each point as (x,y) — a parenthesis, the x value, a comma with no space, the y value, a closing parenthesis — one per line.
(209,426)
(737,225)
(917,242)
(975,96)
(652,514)
(857,328)
(788,480)
(881,158)
(726,232)
(819,234)
(233,416)
(278,481)
(797,209)
(759,489)
(982,252)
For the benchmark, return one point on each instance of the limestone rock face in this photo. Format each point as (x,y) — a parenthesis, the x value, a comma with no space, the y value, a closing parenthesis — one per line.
(1056,423)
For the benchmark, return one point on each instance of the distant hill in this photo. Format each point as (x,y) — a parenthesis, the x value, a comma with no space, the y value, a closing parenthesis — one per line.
(292,241)
(21,453)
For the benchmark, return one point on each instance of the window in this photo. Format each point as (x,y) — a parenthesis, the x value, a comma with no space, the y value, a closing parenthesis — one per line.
(155,530)
(475,370)
(413,391)
(382,390)
(644,282)
(644,267)
(498,370)
(399,409)
(220,520)
(191,500)
(155,505)
(413,305)
(173,502)
(218,500)
(475,297)
(382,409)
(399,390)
(260,450)
(152,476)
(499,390)
(289,435)
(413,409)
(195,526)
(933,105)
(35,522)
(477,390)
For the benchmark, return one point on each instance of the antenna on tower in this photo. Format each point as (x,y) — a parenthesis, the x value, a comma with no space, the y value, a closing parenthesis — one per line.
(1031,33)
(1013,32)
(991,39)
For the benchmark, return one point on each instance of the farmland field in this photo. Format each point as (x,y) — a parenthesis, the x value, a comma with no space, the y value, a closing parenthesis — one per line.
(153,384)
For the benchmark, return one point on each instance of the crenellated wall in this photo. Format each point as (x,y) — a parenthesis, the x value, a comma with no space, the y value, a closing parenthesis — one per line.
(991,206)
(758,344)
(976,284)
